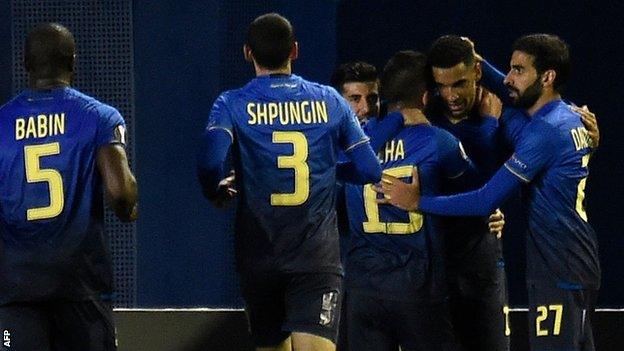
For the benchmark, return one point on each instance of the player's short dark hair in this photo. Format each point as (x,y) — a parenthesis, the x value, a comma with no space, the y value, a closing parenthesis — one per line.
(356,71)
(271,38)
(405,78)
(549,52)
(450,50)
(49,50)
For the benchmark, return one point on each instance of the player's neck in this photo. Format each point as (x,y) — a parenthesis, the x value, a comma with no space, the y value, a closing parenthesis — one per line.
(262,71)
(48,83)
(456,119)
(411,115)
(545,98)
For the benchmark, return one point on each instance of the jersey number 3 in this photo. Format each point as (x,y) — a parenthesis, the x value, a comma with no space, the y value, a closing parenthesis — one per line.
(296,161)
(35,174)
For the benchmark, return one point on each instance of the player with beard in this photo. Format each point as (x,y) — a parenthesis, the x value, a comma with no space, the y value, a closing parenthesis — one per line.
(550,158)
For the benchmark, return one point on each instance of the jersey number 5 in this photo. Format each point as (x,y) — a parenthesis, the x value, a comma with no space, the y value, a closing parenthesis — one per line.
(35,174)
(374,225)
(296,161)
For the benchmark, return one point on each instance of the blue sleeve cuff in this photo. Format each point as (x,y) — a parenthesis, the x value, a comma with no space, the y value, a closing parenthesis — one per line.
(211,159)
(363,167)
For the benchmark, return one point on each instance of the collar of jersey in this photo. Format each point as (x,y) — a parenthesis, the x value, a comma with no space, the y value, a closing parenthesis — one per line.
(270,77)
(547,108)
(29,93)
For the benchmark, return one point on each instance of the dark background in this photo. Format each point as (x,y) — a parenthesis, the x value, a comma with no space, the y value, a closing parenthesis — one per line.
(186,52)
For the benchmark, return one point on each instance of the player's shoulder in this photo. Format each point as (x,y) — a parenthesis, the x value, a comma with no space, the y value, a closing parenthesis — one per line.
(10,105)
(445,143)
(442,135)
(91,105)
(231,97)
(318,89)
(561,114)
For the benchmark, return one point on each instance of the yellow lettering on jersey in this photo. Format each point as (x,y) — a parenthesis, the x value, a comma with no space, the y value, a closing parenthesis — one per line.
(252,115)
(288,112)
(20,129)
(580,138)
(41,126)
(31,130)
(394,150)
(272,112)
(321,109)
(262,114)
(295,115)
(307,115)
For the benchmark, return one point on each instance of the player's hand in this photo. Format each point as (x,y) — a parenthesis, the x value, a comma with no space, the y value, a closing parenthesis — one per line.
(489,104)
(591,124)
(496,222)
(477,57)
(226,191)
(398,193)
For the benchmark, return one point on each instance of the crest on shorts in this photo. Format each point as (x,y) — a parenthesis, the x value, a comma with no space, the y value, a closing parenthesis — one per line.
(328,308)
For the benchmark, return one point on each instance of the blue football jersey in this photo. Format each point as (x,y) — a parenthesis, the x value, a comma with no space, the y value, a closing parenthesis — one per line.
(51,204)
(287,135)
(395,254)
(467,243)
(552,155)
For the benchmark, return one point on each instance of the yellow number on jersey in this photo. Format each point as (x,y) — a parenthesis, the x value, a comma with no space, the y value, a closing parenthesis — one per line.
(296,161)
(374,224)
(543,311)
(34,174)
(506,314)
(580,191)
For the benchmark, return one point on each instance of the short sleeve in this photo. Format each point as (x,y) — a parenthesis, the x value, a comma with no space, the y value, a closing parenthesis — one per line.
(451,155)
(111,127)
(351,134)
(220,117)
(533,151)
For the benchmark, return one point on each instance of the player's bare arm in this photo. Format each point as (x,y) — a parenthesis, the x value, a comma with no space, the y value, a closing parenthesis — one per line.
(120,186)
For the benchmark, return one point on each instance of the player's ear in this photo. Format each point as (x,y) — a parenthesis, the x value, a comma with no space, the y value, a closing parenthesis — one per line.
(294,51)
(425,98)
(548,77)
(478,70)
(247,53)
(71,63)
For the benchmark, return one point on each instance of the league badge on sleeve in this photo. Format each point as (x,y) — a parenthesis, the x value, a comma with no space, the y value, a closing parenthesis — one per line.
(120,134)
